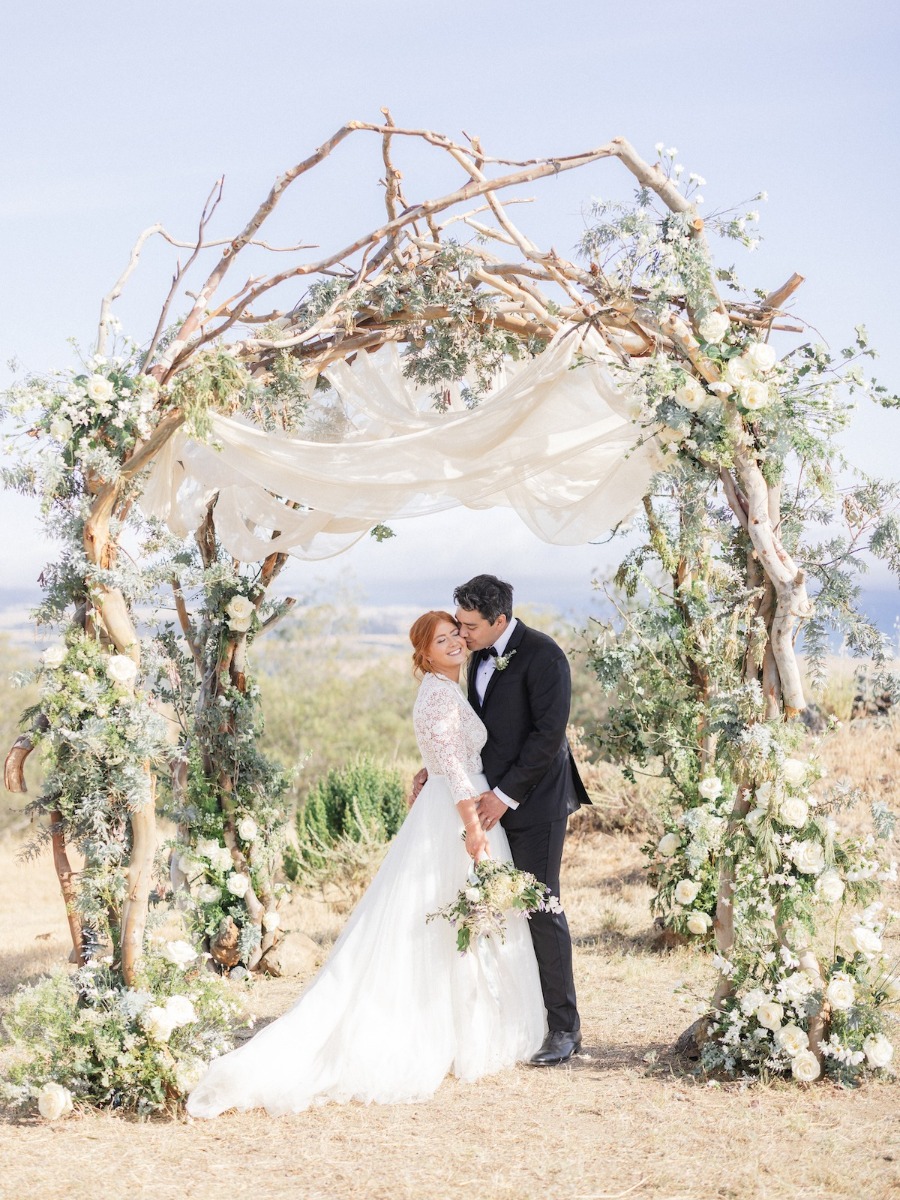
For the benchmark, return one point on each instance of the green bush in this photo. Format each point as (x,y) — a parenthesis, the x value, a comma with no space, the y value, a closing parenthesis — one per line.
(362,803)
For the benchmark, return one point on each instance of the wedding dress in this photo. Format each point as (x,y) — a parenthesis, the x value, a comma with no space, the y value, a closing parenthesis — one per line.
(395,1007)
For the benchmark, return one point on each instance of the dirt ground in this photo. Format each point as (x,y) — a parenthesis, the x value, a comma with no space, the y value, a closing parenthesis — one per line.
(619,1121)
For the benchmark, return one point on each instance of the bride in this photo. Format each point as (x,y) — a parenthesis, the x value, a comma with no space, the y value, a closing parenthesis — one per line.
(395,1007)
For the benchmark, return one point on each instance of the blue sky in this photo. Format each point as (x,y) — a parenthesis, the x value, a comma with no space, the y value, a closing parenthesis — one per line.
(124,114)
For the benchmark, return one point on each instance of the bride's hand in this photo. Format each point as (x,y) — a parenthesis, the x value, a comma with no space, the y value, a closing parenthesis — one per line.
(477,846)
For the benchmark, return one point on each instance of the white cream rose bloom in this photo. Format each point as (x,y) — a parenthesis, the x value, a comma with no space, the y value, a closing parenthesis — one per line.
(208,893)
(710,788)
(181,1011)
(239,611)
(760,356)
(699,922)
(158,1023)
(808,857)
(794,771)
(796,987)
(121,669)
(793,811)
(237,884)
(668,844)
(878,1050)
(753,818)
(223,860)
(769,1014)
(754,395)
(686,891)
(691,395)
(751,1001)
(247,829)
(180,953)
(830,886)
(863,940)
(54,1101)
(805,1067)
(840,992)
(792,1039)
(473,895)
(713,327)
(208,849)
(61,429)
(736,372)
(271,920)
(54,657)
(99,388)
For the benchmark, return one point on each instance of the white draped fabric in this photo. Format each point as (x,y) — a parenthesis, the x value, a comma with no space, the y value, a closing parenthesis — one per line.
(553,440)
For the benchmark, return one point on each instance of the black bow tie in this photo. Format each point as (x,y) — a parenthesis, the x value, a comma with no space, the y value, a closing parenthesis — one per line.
(489,652)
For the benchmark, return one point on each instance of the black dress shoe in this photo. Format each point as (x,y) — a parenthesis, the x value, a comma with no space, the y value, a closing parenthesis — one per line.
(559,1046)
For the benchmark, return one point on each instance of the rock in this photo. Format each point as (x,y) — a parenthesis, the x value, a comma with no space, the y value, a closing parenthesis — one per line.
(224,946)
(295,954)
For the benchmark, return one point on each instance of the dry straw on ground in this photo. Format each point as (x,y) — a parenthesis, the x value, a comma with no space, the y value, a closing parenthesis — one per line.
(621,1121)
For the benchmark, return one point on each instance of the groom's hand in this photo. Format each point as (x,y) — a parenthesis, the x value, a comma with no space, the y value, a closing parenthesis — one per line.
(490,809)
(419,781)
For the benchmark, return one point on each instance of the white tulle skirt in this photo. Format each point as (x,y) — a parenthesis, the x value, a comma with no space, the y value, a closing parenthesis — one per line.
(395,1007)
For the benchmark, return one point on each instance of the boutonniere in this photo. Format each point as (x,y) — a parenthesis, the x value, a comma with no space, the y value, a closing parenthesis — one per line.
(501,662)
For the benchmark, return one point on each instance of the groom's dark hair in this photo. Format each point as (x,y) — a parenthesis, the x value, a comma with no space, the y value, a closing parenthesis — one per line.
(486,594)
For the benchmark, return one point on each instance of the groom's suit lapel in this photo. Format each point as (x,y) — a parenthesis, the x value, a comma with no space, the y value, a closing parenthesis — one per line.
(513,644)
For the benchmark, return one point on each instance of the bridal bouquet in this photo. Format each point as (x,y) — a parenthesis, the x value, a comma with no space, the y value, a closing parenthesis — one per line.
(492,890)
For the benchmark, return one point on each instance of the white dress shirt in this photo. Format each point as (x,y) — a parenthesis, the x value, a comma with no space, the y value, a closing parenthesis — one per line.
(483,674)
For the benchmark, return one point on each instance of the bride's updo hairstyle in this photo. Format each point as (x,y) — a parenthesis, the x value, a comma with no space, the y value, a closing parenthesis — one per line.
(422,635)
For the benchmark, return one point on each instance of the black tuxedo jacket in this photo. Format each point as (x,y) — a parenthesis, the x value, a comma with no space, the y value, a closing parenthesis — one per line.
(526,709)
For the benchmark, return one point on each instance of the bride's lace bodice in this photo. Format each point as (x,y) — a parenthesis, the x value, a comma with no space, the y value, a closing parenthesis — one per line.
(450,734)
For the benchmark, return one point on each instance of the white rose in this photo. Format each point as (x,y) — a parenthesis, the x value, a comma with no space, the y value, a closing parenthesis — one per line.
(699,922)
(794,771)
(121,669)
(247,829)
(769,1014)
(54,1101)
(808,857)
(99,388)
(796,987)
(736,372)
(830,886)
(710,788)
(794,811)
(753,818)
(61,429)
(754,395)
(473,895)
(237,884)
(804,1067)
(223,860)
(158,1023)
(713,327)
(54,657)
(239,607)
(840,992)
(180,953)
(668,844)
(752,1000)
(878,1050)
(208,849)
(792,1039)
(181,1011)
(271,920)
(764,794)
(760,356)
(207,893)
(863,940)
(691,395)
(686,891)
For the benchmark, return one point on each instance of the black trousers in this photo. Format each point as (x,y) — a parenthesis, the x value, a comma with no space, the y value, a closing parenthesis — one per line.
(538,849)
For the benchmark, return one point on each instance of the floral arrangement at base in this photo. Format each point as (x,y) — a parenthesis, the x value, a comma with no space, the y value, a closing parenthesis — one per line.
(493,889)
(85,1039)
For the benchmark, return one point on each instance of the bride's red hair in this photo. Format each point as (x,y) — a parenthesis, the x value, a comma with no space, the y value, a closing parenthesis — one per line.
(422,635)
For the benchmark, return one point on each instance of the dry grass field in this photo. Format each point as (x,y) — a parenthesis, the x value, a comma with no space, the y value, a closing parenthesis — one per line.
(621,1121)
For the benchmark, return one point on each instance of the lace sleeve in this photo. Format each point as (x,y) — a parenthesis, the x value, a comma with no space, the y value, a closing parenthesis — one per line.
(442,740)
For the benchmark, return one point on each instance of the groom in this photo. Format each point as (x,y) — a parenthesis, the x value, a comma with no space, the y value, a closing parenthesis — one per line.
(520,685)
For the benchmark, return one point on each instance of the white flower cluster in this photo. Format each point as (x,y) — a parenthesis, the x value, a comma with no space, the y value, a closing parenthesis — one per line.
(240,611)
(160,1021)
